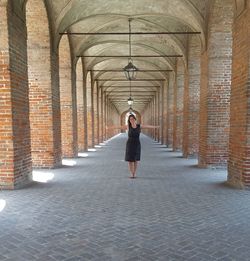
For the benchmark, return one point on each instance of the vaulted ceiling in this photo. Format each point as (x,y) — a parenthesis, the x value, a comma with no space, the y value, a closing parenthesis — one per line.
(111,16)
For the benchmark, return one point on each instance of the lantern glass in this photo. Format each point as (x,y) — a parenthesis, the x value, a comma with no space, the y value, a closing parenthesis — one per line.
(130,101)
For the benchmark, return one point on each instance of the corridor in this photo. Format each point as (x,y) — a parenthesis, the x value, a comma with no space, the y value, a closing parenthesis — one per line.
(90,210)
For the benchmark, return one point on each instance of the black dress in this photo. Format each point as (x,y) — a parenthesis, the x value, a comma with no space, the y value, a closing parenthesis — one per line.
(133,146)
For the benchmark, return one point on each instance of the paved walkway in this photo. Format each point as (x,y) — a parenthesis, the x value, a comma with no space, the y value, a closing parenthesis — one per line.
(93,211)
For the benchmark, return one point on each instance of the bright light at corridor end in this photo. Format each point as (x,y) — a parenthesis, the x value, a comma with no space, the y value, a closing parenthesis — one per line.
(2,204)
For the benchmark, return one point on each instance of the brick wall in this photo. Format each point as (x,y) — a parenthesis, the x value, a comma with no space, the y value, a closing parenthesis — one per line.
(239,143)
(215,87)
(192,100)
(15,147)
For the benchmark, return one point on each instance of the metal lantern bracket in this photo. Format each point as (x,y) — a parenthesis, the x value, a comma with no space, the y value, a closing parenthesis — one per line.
(130,100)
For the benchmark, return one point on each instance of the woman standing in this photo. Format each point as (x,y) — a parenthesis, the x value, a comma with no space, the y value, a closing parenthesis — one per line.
(133,146)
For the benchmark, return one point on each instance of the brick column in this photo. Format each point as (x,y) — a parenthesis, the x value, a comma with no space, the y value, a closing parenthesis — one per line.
(215,87)
(154,117)
(165,111)
(85,110)
(105,116)
(178,106)
(192,100)
(56,110)
(89,110)
(239,142)
(41,74)
(92,109)
(96,122)
(68,100)
(15,146)
(157,100)
(102,115)
(162,114)
(172,80)
(80,106)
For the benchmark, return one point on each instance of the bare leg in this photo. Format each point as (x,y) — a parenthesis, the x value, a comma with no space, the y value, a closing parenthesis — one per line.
(131,167)
(135,166)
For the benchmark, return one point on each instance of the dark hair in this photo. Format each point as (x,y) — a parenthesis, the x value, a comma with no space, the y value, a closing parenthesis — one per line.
(133,116)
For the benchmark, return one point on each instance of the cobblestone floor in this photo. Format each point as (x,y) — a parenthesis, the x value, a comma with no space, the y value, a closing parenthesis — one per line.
(93,211)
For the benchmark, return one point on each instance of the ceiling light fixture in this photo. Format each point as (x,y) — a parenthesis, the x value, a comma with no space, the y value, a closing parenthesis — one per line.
(130,69)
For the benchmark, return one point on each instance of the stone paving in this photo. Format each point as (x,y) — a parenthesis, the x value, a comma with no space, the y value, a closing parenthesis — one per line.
(93,211)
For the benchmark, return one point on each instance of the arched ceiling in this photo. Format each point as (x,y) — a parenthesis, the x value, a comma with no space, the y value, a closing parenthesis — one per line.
(111,16)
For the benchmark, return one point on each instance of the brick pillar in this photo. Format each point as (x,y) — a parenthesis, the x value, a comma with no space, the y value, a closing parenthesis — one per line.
(157,118)
(15,146)
(154,117)
(102,115)
(40,86)
(170,102)
(96,122)
(215,87)
(159,113)
(80,106)
(89,110)
(164,114)
(85,110)
(178,106)
(239,142)
(105,116)
(92,111)
(68,100)
(192,100)
(108,117)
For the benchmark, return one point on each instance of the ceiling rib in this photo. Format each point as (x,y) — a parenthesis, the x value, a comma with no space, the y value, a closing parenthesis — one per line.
(127,56)
(125,80)
(140,70)
(125,33)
